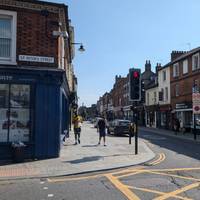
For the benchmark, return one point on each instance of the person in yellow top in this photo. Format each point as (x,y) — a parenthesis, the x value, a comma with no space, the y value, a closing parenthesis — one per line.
(77,121)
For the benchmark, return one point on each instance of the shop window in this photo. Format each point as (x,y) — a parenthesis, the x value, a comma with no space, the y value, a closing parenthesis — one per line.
(14,113)
(7,37)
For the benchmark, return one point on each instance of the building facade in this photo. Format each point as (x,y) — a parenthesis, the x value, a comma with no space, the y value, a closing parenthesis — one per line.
(35,60)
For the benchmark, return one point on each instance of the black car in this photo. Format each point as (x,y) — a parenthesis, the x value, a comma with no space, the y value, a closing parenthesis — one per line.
(119,127)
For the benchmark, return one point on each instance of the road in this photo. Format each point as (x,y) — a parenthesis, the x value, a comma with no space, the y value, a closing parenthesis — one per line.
(173,174)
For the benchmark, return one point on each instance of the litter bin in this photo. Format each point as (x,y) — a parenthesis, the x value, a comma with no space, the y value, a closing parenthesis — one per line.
(18,151)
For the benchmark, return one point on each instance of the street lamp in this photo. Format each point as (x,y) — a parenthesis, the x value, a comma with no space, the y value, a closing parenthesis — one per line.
(81,48)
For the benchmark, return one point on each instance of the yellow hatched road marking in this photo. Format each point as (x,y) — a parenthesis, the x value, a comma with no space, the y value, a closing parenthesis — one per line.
(131,173)
(123,188)
(54,180)
(177,176)
(157,192)
(171,194)
(176,169)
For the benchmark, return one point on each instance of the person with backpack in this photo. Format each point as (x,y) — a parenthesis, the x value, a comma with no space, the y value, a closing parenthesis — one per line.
(101,128)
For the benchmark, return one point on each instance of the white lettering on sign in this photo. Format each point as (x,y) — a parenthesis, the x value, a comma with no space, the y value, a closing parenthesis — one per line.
(36,59)
(6,78)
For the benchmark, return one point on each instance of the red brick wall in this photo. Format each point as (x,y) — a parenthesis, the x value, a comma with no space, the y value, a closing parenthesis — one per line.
(34,35)
(185,82)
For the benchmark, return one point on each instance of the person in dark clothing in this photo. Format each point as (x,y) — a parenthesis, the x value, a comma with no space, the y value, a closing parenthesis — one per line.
(101,127)
(176,125)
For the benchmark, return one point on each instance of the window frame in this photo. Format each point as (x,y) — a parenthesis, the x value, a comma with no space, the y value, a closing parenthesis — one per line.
(177,92)
(186,67)
(176,72)
(164,74)
(13,16)
(198,65)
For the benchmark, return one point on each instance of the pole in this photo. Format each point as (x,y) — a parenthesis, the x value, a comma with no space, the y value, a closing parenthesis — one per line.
(195,128)
(136,133)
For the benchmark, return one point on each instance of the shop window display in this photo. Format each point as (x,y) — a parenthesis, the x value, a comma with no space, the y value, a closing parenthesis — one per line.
(15,117)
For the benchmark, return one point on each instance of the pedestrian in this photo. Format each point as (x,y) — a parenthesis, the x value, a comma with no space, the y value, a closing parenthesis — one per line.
(132,129)
(176,125)
(77,127)
(66,135)
(101,128)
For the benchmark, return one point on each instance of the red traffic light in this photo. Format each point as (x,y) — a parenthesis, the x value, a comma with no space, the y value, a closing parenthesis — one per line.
(135,74)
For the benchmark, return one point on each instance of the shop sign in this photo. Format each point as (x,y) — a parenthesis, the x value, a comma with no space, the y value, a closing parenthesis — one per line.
(41,59)
(196,103)
(181,106)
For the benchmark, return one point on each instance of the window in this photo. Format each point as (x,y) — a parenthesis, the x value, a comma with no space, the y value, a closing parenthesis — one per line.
(195,61)
(7,37)
(176,70)
(177,90)
(147,98)
(166,93)
(164,75)
(14,113)
(155,97)
(185,66)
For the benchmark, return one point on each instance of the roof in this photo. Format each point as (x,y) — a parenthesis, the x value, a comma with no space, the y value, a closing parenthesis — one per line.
(43,2)
(193,51)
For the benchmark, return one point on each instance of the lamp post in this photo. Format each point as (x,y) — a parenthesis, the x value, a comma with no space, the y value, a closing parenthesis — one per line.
(81,48)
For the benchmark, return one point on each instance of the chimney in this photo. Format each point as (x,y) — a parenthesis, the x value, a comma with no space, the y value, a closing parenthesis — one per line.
(176,54)
(148,65)
(158,67)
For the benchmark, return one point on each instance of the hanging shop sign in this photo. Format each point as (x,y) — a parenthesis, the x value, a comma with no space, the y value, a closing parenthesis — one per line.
(41,59)
(196,103)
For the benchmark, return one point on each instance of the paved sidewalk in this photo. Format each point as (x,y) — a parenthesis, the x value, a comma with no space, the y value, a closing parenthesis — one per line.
(85,157)
(185,136)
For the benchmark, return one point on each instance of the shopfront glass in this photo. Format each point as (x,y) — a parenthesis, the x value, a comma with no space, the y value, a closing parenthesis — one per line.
(14,113)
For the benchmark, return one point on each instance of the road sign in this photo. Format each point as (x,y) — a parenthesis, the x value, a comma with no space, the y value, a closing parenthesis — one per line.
(196,103)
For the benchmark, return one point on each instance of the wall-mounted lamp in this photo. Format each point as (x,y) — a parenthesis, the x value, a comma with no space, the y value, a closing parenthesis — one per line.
(81,48)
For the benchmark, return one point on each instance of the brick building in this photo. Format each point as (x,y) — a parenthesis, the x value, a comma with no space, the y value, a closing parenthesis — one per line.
(36,76)
(184,75)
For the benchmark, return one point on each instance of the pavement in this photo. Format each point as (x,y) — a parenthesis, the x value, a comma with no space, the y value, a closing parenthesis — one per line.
(81,158)
(180,135)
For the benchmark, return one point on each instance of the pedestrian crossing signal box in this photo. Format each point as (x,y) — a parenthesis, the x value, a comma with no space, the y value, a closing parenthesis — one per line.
(134,84)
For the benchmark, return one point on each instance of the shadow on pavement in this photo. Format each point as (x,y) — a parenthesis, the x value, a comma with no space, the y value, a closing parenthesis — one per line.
(92,145)
(85,159)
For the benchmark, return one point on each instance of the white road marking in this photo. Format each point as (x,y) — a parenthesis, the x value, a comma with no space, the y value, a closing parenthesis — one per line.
(45,188)
(50,195)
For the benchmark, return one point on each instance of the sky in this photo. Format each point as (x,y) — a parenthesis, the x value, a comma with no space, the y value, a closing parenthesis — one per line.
(119,35)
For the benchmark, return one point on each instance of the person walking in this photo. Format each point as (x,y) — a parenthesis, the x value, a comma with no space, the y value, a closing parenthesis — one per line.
(101,127)
(77,128)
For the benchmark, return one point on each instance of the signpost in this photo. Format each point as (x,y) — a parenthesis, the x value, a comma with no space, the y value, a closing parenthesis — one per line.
(196,109)
(135,96)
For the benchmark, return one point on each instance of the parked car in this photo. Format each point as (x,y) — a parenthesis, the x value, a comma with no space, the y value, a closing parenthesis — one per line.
(119,127)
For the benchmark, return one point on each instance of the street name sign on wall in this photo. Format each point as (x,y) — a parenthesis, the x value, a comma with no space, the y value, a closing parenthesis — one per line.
(41,59)
(196,103)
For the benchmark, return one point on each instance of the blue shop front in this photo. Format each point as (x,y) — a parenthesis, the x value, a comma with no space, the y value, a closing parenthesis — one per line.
(34,109)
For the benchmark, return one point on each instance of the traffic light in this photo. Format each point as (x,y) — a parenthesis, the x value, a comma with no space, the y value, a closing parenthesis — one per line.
(135,84)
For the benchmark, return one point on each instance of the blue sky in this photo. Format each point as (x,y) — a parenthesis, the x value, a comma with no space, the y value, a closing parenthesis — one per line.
(118,35)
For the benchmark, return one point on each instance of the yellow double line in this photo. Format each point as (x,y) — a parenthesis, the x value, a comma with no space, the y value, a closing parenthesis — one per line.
(159,160)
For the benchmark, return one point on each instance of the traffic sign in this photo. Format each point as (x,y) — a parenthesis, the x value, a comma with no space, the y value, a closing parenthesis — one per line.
(196,103)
